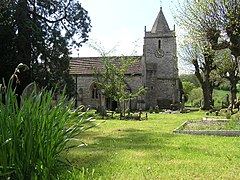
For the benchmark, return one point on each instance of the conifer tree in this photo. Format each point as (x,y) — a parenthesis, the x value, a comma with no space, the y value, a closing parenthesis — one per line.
(40,35)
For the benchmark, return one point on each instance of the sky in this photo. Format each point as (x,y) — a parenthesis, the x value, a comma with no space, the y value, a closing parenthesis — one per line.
(118,25)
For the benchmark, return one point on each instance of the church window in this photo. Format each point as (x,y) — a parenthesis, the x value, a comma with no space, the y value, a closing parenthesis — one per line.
(94,91)
(159,44)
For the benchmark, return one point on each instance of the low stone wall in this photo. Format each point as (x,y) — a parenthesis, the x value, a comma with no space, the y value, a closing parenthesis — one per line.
(207,132)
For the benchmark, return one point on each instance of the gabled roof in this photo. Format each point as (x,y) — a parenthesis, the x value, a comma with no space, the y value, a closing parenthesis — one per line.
(84,65)
(160,24)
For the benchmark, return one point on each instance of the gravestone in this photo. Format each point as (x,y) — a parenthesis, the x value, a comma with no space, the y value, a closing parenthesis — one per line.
(1,92)
(28,90)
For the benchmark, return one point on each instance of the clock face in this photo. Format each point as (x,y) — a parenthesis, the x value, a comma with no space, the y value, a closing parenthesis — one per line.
(159,53)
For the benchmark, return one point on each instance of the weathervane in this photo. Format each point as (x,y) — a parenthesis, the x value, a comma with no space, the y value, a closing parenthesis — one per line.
(160,3)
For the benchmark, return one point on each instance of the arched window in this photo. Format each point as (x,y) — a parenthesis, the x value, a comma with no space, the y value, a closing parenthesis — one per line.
(94,91)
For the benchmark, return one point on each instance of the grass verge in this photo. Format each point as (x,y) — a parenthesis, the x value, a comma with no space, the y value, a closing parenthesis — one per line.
(149,150)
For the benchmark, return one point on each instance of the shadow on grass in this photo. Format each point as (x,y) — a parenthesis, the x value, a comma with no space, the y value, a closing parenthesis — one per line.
(154,145)
(106,147)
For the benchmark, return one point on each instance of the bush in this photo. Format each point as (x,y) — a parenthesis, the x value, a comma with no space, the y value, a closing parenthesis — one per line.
(235,117)
(33,136)
(187,87)
(196,103)
(196,93)
(228,114)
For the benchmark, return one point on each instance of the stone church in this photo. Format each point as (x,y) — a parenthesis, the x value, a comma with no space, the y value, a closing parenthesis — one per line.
(156,70)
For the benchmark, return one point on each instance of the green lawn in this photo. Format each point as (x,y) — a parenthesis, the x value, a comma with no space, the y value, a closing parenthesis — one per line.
(119,149)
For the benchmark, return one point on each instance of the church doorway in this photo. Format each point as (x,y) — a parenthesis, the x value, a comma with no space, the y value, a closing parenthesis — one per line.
(111,104)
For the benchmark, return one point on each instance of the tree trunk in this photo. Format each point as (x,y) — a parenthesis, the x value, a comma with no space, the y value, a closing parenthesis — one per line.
(205,82)
(120,109)
(234,78)
(23,44)
(233,81)
(207,96)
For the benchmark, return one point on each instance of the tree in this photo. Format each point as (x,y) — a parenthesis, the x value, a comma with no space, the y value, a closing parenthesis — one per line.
(227,68)
(7,46)
(223,18)
(228,14)
(195,97)
(112,80)
(201,44)
(203,62)
(42,33)
(190,78)
(187,88)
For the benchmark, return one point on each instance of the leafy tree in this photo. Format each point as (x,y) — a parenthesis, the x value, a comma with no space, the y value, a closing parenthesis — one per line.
(187,88)
(190,78)
(223,18)
(225,85)
(228,15)
(40,34)
(195,97)
(201,43)
(112,79)
(202,59)
(227,67)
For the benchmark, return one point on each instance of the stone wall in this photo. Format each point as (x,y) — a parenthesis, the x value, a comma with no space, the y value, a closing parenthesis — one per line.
(161,75)
(135,82)
(179,130)
(210,132)
(85,82)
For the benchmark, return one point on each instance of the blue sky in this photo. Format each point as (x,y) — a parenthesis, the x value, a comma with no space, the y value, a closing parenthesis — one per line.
(119,24)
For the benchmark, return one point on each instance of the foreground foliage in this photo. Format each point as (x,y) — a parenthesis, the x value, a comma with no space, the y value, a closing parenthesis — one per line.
(33,136)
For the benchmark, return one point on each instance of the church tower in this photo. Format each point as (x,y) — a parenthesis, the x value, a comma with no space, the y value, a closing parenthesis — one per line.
(161,71)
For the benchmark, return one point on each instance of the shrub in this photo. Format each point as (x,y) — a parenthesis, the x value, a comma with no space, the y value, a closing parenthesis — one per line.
(187,87)
(228,114)
(33,136)
(196,103)
(195,97)
(235,117)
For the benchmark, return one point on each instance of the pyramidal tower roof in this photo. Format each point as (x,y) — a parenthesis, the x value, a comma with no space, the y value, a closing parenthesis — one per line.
(160,24)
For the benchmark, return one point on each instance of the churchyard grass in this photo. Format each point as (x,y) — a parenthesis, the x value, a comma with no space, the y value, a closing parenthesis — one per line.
(121,149)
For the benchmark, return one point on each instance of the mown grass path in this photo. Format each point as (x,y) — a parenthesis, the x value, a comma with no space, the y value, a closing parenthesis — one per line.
(149,150)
